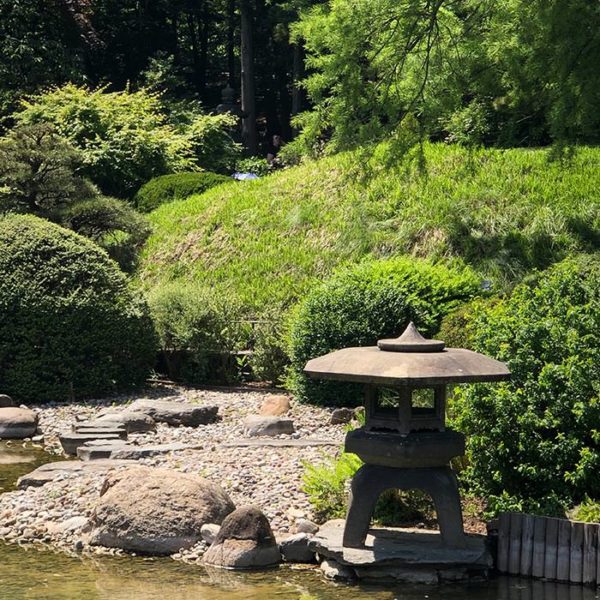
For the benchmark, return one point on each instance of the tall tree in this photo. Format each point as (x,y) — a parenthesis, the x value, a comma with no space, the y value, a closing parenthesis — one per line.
(249,132)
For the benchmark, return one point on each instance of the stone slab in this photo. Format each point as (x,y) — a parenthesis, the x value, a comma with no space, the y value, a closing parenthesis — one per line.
(176,413)
(131,452)
(51,471)
(400,548)
(71,441)
(299,443)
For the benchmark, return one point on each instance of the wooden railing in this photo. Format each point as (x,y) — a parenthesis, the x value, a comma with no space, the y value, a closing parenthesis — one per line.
(553,549)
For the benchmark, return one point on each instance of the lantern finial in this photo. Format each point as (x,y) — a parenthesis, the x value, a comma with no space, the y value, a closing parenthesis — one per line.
(411,341)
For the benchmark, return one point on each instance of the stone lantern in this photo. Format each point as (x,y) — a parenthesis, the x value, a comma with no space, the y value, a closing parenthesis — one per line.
(405,443)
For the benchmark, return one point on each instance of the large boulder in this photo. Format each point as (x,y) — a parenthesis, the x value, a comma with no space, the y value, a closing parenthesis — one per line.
(175,413)
(275,405)
(156,511)
(17,423)
(245,541)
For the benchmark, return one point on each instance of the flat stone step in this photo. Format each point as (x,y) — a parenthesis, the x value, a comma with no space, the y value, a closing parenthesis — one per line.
(99,449)
(120,431)
(71,441)
(131,452)
(51,471)
(99,425)
(120,450)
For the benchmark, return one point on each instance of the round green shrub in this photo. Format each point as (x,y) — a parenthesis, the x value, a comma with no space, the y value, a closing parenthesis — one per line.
(177,186)
(69,325)
(358,306)
(534,441)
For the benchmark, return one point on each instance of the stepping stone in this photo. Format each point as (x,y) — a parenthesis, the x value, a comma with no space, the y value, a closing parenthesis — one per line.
(120,450)
(133,421)
(176,413)
(51,471)
(106,426)
(131,452)
(256,425)
(71,441)
(96,450)
(90,431)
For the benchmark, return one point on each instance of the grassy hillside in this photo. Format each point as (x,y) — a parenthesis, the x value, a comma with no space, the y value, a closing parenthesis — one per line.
(267,241)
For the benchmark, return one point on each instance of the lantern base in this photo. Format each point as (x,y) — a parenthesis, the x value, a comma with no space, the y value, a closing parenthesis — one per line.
(407,555)
(371,480)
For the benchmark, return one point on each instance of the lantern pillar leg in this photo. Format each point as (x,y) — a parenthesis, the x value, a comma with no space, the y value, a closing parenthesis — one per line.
(371,480)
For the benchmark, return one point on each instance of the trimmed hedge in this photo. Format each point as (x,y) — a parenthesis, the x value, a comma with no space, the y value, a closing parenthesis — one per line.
(360,305)
(69,325)
(534,441)
(176,186)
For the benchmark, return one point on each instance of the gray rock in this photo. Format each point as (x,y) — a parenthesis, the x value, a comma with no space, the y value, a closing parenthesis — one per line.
(306,526)
(275,406)
(130,452)
(6,401)
(256,425)
(51,471)
(341,416)
(71,441)
(100,449)
(333,570)
(295,549)
(209,532)
(245,541)
(17,423)
(155,511)
(133,420)
(176,413)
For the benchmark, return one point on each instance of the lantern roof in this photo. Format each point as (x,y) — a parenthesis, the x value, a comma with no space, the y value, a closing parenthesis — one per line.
(410,359)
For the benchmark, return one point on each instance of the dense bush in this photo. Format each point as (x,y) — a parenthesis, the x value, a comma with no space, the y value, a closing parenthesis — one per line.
(176,186)
(533,442)
(126,138)
(69,325)
(39,172)
(358,306)
(113,224)
(198,334)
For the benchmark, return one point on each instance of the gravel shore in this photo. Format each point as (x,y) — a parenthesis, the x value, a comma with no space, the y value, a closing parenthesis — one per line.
(268,477)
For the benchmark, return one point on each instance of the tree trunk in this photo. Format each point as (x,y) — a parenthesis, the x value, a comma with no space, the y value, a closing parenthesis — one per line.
(249,132)
(231,43)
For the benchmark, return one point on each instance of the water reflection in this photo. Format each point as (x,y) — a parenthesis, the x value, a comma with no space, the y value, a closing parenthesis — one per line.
(32,574)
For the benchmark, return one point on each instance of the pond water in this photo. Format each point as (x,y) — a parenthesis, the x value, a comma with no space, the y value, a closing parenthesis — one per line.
(32,573)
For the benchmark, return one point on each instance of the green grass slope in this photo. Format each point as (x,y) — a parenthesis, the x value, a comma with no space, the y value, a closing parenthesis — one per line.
(266,242)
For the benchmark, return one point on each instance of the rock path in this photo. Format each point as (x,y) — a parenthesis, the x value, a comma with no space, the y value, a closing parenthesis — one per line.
(266,472)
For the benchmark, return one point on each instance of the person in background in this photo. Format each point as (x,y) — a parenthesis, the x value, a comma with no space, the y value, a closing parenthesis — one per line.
(273,148)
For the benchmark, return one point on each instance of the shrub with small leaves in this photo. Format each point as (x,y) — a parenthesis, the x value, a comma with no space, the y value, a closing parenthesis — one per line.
(70,327)
(198,333)
(534,441)
(362,304)
(177,186)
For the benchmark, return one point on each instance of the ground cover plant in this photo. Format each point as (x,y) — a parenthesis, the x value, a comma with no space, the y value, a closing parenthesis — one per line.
(532,442)
(263,245)
(70,327)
